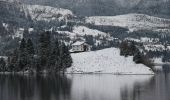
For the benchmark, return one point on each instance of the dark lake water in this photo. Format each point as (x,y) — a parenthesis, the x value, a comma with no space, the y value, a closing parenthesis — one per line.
(85,87)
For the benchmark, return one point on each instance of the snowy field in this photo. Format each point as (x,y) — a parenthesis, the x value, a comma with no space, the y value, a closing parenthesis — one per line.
(46,13)
(131,21)
(106,61)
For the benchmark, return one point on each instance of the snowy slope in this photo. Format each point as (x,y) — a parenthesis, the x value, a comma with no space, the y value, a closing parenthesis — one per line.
(10,0)
(47,13)
(81,31)
(106,61)
(131,21)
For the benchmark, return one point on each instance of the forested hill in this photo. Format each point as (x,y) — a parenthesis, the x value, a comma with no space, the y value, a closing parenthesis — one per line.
(109,7)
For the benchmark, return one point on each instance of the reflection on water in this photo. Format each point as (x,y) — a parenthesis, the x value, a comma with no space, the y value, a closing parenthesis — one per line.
(34,87)
(85,87)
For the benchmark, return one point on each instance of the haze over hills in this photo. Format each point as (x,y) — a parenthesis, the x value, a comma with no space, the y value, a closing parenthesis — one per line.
(109,7)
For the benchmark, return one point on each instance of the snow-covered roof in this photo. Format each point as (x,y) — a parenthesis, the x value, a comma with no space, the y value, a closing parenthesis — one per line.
(78,43)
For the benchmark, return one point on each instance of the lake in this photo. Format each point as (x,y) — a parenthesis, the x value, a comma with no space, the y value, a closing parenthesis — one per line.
(85,87)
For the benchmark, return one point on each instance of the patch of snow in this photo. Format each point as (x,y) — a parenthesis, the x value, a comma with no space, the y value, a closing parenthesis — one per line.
(131,21)
(82,30)
(158,60)
(69,34)
(78,43)
(4,57)
(5,26)
(10,0)
(149,40)
(30,29)
(132,39)
(154,47)
(106,61)
(19,33)
(47,13)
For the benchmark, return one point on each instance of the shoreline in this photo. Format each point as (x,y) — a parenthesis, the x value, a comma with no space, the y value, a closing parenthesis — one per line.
(66,73)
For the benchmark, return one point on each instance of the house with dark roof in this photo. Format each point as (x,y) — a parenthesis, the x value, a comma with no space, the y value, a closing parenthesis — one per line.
(80,46)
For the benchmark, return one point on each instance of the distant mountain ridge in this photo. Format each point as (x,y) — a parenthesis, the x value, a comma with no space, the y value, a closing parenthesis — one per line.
(109,7)
(131,21)
(47,13)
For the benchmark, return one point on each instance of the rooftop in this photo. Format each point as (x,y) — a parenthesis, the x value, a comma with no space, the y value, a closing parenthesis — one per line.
(78,43)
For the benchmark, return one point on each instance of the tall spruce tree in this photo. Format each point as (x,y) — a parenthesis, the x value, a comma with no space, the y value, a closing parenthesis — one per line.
(55,56)
(44,50)
(30,53)
(30,47)
(12,64)
(65,57)
(22,61)
(2,65)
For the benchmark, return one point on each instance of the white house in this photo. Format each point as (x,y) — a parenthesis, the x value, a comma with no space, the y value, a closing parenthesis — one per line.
(80,46)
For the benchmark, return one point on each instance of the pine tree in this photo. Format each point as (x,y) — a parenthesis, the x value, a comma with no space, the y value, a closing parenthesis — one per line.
(30,47)
(133,48)
(30,53)
(22,61)
(12,64)
(65,57)
(44,50)
(55,56)
(138,58)
(2,65)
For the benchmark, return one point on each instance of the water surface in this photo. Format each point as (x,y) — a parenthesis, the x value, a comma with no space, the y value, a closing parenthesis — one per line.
(85,87)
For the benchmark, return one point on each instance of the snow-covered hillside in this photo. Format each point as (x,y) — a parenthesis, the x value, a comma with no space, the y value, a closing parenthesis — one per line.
(82,31)
(10,0)
(131,21)
(106,61)
(47,13)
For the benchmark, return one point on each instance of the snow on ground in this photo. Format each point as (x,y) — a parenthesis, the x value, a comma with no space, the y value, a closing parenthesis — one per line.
(132,39)
(145,40)
(158,60)
(149,40)
(10,0)
(130,21)
(154,47)
(4,57)
(81,31)
(47,13)
(158,64)
(106,61)
(19,33)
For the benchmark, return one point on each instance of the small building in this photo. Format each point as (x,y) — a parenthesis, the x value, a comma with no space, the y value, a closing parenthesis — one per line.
(80,46)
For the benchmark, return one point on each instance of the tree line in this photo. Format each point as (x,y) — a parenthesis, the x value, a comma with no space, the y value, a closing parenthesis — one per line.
(47,55)
(131,48)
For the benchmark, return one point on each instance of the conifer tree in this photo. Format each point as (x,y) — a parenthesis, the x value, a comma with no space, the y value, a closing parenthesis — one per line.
(55,56)
(138,58)
(30,53)
(44,49)
(30,47)
(2,65)
(13,61)
(22,61)
(65,57)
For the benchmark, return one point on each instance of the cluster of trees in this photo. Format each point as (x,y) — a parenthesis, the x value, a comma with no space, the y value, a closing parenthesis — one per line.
(131,49)
(166,56)
(45,56)
(128,48)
